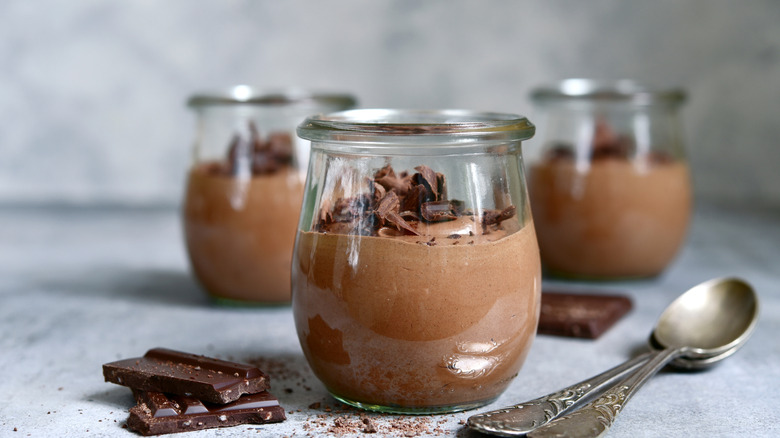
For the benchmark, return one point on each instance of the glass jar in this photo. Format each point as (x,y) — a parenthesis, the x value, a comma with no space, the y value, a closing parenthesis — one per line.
(610,184)
(244,190)
(416,272)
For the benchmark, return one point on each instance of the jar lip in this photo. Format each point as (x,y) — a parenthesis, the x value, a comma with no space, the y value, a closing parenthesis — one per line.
(398,126)
(248,95)
(625,90)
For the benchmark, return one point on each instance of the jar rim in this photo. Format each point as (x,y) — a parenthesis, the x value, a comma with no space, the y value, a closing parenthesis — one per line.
(416,126)
(248,95)
(624,90)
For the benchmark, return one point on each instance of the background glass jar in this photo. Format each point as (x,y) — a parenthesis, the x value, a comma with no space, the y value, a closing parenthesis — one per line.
(610,185)
(244,190)
(416,272)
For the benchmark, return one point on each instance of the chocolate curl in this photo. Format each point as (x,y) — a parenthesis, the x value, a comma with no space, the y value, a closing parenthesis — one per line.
(388,210)
(608,144)
(494,217)
(280,144)
(429,176)
(378,192)
(441,211)
(387,178)
(254,138)
(414,198)
(326,216)
(433,181)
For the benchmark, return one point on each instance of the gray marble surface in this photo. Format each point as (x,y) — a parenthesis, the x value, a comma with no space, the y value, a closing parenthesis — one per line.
(83,286)
(92,92)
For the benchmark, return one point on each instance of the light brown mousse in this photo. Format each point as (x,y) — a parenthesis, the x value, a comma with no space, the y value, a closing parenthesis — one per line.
(240,234)
(444,317)
(240,223)
(615,218)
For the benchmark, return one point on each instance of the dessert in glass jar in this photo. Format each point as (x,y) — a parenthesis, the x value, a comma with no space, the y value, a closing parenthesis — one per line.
(610,184)
(244,190)
(416,272)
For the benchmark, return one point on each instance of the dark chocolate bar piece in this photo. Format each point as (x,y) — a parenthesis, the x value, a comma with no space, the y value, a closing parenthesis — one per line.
(158,413)
(174,372)
(580,315)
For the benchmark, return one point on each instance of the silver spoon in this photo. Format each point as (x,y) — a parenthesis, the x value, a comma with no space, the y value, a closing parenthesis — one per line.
(712,319)
(521,419)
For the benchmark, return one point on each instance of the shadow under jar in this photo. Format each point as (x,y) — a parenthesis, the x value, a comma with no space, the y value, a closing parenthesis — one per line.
(416,273)
(244,190)
(610,184)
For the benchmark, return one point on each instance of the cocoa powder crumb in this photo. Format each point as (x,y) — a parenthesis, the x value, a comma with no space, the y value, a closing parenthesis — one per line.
(369,427)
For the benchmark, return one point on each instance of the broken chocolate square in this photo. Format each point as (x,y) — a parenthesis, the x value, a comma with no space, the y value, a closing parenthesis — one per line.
(174,372)
(580,315)
(158,413)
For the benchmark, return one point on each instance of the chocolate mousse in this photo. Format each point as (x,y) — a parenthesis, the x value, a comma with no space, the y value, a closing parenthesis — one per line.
(614,214)
(407,301)
(240,218)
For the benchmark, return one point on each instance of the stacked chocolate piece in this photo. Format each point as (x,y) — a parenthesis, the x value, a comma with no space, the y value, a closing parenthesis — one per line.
(180,392)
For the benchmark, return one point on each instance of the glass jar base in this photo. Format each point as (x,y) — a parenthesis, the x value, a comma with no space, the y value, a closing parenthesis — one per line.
(414,410)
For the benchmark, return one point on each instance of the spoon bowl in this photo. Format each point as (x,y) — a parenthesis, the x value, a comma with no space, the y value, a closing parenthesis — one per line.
(711,318)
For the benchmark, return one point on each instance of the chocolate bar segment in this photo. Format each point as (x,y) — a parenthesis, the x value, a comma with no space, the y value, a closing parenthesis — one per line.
(174,372)
(158,413)
(580,315)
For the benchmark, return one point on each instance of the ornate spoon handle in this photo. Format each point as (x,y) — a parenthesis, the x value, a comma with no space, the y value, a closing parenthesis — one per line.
(522,418)
(595,418)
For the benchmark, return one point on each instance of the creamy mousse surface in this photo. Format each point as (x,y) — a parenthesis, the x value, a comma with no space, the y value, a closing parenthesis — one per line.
(240,224)
(438,319)
(615,217)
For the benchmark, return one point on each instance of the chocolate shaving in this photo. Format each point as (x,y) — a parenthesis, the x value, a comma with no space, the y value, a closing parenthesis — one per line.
(440,211)
(389,203)
(495,217)
(415,197)
(410,216)
(388,210)
(395,203)
(378,190)
(560,152)
(428,176)
(264,156)
(606,144)
(387,178)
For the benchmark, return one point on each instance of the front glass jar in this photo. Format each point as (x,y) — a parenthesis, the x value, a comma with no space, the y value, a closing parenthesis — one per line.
(416,272)
(244,190)
(609,184)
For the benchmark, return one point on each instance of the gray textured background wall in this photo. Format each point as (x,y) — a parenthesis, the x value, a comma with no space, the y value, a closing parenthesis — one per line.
(92,92)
